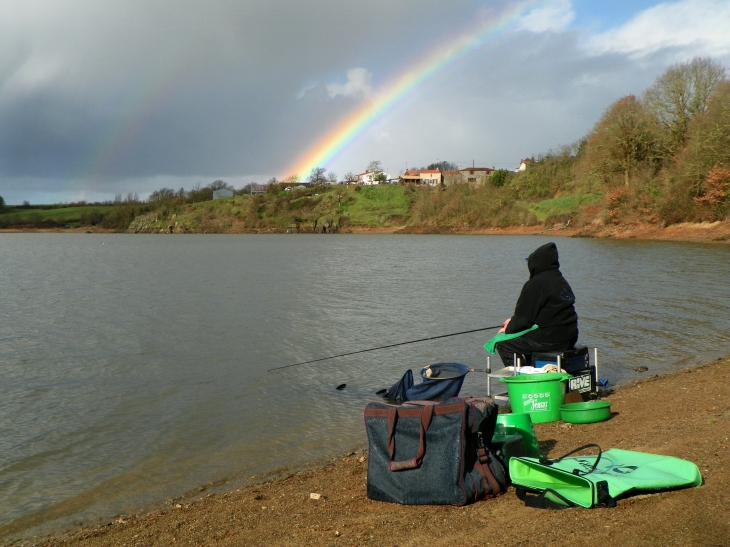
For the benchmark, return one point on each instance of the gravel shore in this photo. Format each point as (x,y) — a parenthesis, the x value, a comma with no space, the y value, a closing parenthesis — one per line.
(685,414)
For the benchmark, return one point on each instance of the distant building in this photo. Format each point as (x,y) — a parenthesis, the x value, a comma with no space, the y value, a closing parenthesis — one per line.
(431,177)
(428,177)
(222,193)
(368,177)
(523,165)
(452,177)
(476,175)
(410,177)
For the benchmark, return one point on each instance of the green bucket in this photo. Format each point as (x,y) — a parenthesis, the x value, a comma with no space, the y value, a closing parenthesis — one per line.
(539,395)
(519,424)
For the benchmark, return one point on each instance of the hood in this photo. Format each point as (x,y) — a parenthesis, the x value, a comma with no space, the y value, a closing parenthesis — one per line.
(543,258)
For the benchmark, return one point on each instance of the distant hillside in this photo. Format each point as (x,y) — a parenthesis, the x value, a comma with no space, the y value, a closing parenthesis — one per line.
(656,160)
(659,159)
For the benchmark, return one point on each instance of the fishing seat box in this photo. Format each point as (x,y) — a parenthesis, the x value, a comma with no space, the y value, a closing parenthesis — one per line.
(575,362)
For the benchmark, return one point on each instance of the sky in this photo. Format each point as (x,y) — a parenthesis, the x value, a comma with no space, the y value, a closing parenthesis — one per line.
(130,96)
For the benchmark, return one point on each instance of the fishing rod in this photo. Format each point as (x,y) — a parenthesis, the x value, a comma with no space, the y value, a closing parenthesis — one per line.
(388,346)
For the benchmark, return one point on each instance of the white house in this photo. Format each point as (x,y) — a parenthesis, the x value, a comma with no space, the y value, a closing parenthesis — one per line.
(523,165)
(368,177)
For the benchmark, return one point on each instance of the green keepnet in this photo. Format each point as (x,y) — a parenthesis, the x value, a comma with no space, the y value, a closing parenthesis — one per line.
(503,336)
(623,470)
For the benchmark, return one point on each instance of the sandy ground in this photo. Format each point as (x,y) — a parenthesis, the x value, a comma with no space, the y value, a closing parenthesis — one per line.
(686,414)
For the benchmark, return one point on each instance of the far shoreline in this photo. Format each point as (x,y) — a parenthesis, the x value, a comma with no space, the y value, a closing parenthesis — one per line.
(704,232)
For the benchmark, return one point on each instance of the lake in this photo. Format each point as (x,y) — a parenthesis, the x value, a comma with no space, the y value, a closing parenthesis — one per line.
(135,368)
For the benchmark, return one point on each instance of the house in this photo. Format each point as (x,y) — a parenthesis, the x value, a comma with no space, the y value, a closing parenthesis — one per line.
(410,177)
(452,177)
(429,177)
(222,193)
(368,177)
(476,175)
(523,165)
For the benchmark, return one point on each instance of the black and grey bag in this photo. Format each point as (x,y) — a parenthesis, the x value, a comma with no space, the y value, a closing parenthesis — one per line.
(433,453)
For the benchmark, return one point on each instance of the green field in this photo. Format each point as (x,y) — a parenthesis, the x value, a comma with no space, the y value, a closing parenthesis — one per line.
(377,205)
(560,206)
(55,217)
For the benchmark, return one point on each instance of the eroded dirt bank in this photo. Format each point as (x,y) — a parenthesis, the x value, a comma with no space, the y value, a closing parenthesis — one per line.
(686,414)
(704,232)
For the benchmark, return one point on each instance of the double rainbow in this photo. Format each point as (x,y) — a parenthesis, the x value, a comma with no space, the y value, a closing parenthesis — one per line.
(337,139)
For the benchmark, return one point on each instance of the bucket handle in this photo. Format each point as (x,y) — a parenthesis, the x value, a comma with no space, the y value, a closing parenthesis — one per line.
(413,463)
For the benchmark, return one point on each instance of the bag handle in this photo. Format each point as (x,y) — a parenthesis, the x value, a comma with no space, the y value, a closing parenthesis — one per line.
(413,463)
(547,461)
(541,501)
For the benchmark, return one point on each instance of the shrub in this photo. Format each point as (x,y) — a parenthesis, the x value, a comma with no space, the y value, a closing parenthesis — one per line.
(717,196)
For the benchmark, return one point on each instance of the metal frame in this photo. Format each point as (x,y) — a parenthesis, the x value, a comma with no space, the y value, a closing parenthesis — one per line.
(515,369)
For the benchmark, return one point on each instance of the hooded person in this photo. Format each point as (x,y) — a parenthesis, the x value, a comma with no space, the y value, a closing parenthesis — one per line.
(547,301)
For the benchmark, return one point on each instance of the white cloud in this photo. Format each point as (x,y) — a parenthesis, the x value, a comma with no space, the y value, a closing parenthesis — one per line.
(555,17)
(700,25)
(359,81)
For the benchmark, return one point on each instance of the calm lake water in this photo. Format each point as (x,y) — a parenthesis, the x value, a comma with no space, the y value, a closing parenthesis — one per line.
(134,368)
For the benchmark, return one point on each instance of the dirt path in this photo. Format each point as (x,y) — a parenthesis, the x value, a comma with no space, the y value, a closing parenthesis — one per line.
(686,414)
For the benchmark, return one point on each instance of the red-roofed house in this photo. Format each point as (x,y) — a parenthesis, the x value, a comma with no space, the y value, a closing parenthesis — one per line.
(429,177)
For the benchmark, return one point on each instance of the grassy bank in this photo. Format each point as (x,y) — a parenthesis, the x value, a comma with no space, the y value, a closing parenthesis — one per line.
(109,217)
(326,209)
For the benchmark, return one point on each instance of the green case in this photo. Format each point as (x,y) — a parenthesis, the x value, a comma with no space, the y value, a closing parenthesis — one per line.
(593,481)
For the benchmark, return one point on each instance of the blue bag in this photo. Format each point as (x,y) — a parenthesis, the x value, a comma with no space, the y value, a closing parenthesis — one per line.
(438,383)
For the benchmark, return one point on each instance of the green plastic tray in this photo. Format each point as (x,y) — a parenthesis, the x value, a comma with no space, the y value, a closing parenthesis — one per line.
(585,413)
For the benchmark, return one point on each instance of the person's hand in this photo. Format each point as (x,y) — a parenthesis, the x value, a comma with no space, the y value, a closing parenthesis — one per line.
(504,326)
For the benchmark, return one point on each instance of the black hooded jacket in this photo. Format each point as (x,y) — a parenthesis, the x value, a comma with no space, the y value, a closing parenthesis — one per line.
(546,300)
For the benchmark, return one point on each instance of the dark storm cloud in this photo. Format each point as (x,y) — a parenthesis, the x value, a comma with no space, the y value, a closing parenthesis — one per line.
(178,87)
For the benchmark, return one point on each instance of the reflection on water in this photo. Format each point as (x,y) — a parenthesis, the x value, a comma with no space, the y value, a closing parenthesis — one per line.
(135,367)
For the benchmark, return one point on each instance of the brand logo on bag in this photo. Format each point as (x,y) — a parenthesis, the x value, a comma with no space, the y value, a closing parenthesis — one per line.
(587,465)
(536,402)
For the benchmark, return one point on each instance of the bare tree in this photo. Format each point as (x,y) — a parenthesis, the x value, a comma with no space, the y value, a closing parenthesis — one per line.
(349,176)
(375,166)
(679,94)
(443,166)
(317,175)
(623,138)
(220,185)
(293,178)
(708,141)
(332,177)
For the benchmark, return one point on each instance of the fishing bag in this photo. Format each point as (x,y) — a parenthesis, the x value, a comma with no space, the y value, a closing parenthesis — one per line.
(596,481)
(433,453)
(439,382)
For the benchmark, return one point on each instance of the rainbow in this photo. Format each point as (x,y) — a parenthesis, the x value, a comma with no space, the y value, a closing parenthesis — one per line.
(337,139)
